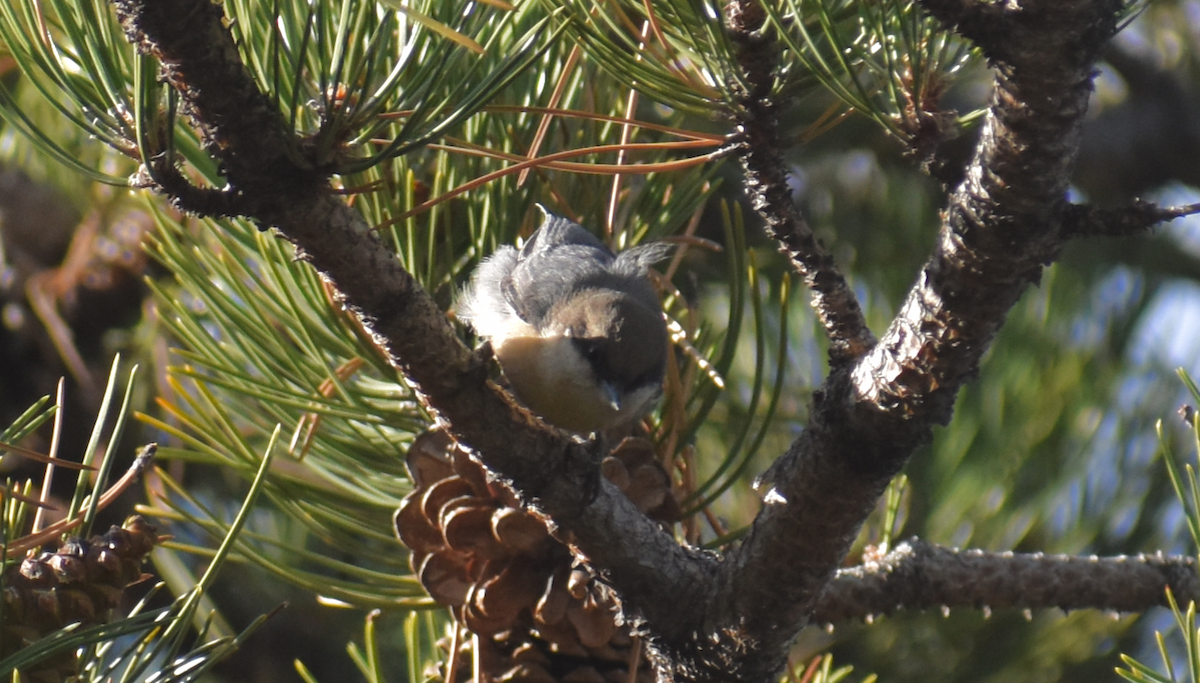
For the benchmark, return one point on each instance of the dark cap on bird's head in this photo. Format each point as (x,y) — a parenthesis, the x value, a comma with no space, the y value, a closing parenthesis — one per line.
(577,329)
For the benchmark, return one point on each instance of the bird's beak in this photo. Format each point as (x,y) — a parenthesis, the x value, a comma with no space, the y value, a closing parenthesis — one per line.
(611,395)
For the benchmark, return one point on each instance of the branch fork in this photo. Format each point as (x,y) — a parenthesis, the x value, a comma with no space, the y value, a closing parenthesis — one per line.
(708,618)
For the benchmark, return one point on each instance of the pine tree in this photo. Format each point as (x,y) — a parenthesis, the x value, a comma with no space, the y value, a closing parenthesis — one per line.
(323,177)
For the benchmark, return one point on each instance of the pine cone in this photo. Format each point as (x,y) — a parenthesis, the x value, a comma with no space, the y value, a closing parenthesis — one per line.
(82,582)
(504,578)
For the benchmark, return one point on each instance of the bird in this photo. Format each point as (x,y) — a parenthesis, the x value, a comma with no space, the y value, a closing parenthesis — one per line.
(577,329)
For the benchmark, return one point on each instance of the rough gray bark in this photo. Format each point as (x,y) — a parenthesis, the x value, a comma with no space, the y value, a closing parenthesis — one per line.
(923,576)
(761,150)
(706,618)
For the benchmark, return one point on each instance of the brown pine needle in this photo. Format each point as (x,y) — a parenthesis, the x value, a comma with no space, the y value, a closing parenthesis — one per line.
(544,125)
(36,540)
(554,161)
(41,457)
(306,428)
(28,500)
(686,134)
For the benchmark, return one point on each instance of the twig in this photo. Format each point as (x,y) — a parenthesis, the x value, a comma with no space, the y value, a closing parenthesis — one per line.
(35,540)
(766,184)
(918,575)
(1122,221)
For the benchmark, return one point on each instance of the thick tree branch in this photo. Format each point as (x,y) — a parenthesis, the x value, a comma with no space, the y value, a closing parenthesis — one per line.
(1002,226)
(922,576)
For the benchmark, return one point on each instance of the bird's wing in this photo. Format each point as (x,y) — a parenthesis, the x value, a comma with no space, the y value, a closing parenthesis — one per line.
(635,261)
(557,232)
(554,262)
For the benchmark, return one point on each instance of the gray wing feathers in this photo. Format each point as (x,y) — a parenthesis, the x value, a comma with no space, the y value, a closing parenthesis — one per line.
(557,232)
(559,260)
(635,261)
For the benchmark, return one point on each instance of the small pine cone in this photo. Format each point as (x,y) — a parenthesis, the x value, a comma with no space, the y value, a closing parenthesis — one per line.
(472,549)
(82,582)
(634,468)
(505,579)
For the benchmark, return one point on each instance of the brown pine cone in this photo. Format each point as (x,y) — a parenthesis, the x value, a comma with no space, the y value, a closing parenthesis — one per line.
(81,582)
(538,617)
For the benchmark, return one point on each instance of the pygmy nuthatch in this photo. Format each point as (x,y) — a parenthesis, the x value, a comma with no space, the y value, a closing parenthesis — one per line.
(577,329)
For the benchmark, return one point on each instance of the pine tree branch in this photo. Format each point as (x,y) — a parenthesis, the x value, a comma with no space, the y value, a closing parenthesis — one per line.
(730,621)
(236,121)
(918,575)
(1123,221)
(761,154)
(554,473)
(1003,224)
(161,174)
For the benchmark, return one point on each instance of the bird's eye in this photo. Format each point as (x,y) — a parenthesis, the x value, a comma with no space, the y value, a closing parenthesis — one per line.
(589,349)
